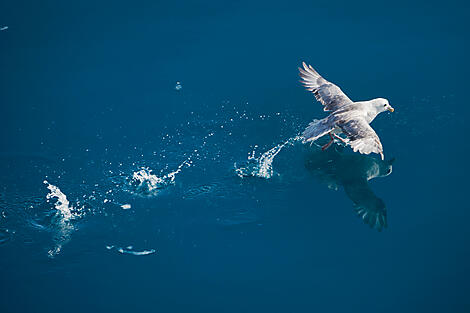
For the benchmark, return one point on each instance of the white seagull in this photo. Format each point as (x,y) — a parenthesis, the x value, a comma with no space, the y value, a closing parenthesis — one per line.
(348,117)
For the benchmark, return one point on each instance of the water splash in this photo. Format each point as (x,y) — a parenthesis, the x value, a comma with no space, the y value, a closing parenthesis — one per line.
(263,166)
(145,182)
(62,205)
(65,213)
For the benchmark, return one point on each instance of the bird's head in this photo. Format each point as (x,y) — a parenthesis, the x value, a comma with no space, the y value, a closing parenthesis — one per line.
(382,105)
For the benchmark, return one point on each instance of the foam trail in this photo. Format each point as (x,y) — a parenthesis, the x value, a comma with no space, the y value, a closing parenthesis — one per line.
(263,166)
(144,252)
(129,250)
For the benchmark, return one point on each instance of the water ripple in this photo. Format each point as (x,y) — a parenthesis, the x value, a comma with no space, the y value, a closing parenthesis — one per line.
(5,235)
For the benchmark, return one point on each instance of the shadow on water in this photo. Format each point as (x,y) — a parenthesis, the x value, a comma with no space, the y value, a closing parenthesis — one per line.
(337,168)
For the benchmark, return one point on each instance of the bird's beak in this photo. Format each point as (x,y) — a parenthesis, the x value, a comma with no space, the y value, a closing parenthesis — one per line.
(391,109)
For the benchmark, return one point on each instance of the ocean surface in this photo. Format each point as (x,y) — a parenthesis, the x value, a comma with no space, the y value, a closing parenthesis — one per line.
(150,158)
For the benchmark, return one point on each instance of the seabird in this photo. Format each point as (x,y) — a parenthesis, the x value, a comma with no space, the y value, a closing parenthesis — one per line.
(347,117)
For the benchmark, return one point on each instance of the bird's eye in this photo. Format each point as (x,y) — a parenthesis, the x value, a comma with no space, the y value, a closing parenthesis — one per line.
(385,105)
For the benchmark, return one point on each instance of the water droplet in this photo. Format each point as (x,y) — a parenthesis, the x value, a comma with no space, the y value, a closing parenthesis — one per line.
(178,86)
(126,206)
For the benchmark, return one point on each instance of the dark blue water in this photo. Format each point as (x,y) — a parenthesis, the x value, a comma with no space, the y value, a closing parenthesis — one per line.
(149,159)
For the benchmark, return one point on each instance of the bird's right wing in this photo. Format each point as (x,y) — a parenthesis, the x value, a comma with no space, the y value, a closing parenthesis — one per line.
(330,95)
(361,136)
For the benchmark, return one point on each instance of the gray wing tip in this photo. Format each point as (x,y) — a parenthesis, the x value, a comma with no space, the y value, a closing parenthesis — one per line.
(309,77)
(309,69)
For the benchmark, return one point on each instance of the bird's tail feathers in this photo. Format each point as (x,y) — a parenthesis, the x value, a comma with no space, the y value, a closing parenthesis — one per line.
(317,129)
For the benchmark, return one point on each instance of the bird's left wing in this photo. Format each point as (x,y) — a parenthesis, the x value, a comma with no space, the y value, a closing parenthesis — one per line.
(361,136)
(330,95)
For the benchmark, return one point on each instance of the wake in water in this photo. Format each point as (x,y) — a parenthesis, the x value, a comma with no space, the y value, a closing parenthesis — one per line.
(64,215)
(263,166)
(150,173)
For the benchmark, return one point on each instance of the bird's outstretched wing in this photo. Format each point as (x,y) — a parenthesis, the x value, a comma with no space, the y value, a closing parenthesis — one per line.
(330,95)
(361,136)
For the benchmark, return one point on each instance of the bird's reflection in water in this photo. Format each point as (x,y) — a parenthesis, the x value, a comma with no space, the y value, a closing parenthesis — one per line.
(337,168)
